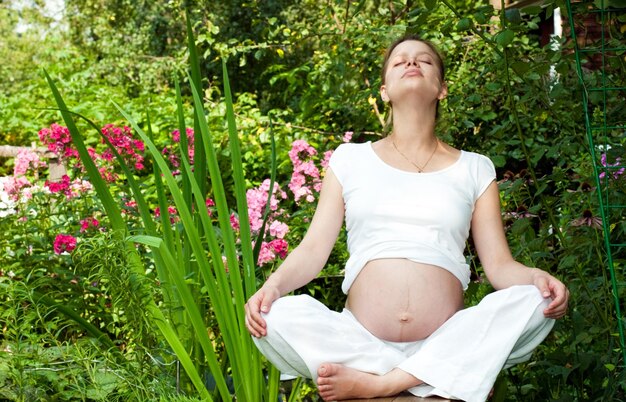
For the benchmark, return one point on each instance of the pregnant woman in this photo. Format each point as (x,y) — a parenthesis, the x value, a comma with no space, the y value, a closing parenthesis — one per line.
(409,202)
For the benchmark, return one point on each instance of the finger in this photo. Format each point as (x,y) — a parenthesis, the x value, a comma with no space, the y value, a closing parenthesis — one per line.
(542,284)
(251,329)
(254,319)
(255,327)
(266,303)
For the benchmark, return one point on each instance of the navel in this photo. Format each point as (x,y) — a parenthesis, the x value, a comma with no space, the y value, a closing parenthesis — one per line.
(405,318)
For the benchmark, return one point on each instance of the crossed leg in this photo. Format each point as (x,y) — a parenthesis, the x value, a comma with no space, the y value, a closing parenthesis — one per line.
(337,382)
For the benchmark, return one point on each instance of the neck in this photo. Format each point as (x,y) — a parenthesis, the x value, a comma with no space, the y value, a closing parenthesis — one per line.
(414,126)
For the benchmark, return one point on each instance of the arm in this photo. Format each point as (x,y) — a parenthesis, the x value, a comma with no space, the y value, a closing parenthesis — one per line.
(501,269)
(306,261)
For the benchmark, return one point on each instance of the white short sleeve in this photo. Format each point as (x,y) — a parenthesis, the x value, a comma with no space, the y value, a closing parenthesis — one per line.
(339,162)
(485,174)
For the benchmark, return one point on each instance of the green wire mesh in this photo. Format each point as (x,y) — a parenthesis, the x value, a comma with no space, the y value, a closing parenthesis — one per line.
(600,49)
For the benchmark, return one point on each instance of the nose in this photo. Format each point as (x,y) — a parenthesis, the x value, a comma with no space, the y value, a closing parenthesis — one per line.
(411,62)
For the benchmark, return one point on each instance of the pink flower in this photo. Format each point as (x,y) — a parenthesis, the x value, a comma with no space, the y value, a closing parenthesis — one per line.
(347,136)
(326,159)
(87,223)
(79,188)
(305,173)
(58,140)
(13,186)
(60,186)
(278,229)
(588,220)
(257,199)
(64,243)
(280,247)
(234,222)
(25,160)
(126,146)
(266,254)
(616,172)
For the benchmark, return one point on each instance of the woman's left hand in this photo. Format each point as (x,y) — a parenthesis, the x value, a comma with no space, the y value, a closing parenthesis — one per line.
(550,287)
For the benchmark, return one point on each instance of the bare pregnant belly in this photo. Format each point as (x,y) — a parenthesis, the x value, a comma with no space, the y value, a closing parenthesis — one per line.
(402,301)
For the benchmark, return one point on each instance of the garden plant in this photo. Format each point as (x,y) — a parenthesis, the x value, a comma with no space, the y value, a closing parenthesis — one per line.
(194,143)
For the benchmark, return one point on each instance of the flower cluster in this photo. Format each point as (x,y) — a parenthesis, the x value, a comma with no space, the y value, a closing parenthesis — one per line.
(89,223)
(171,211)
(64,243)
(122,139)
(170,153)
(7,204)
(27,160)
(616,172)
(305,179)
(59,141)
(70,188)
(273,243)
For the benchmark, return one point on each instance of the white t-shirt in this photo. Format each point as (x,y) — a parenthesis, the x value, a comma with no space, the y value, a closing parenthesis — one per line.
(391,213)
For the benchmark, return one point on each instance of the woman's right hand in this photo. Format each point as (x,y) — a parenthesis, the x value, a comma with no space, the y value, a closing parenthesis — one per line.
(260,302)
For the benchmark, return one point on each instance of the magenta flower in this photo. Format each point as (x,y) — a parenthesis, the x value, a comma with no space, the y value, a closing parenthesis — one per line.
(121,138)
(64,243)
(280,247)
(616,172)
(87,223)
(234,222)
(190,141)
(59,141)
(59,186)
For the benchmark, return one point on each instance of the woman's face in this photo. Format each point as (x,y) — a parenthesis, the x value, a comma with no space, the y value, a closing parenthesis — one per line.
(413,69)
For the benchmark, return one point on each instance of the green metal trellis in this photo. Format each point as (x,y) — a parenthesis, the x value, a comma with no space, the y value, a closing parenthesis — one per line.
(600,50)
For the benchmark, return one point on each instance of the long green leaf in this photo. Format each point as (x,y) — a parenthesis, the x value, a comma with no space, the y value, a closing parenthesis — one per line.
(200,172)
(109,204)
(188,224)
(251,366)
(236,327)
(191,308)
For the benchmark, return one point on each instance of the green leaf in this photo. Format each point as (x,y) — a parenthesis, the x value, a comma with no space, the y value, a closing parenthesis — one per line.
(430,4)
(532,10)
(513,15)
(464,24)
(504,38)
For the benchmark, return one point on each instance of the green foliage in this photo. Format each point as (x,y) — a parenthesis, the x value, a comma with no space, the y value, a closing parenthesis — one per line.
(314,68)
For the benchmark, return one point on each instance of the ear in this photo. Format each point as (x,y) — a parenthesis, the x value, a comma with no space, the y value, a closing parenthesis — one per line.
(383,93)
(444,91)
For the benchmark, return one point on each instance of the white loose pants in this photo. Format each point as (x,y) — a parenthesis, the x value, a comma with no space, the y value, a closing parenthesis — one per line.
(460,360)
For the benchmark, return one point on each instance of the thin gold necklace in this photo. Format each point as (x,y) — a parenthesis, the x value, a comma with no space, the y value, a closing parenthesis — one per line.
(420,169)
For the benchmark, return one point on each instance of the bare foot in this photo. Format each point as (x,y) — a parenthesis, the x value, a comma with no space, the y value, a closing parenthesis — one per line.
(337,382)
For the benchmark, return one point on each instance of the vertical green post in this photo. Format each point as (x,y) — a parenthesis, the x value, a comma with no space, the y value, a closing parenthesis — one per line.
(600,136)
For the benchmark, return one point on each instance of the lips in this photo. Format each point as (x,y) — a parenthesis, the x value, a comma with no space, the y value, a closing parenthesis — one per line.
(413,72)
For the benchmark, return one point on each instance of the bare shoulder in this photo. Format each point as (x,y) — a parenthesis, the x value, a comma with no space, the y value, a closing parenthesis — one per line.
(449,154)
